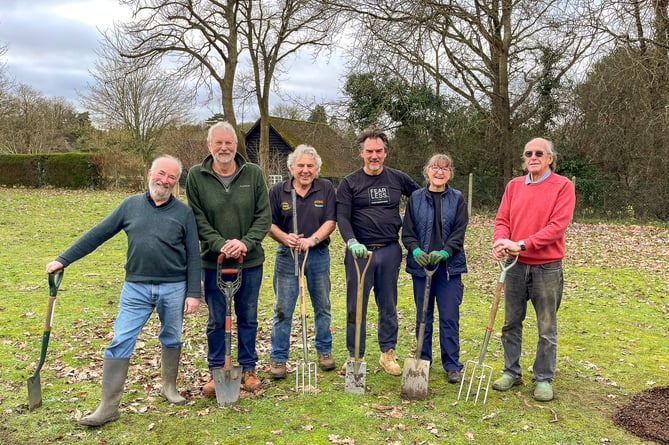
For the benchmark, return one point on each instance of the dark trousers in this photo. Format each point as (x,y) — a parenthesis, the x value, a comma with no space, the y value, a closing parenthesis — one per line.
(446,292)
(382,277)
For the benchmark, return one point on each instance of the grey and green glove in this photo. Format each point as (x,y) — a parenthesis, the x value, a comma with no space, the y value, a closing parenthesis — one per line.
(421,257)
(357,249)
(437,256)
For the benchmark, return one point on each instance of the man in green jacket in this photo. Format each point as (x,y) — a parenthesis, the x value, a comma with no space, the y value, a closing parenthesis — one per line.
(230,201)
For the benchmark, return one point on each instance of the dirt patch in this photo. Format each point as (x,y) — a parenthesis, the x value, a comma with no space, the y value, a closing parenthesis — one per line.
(646,415)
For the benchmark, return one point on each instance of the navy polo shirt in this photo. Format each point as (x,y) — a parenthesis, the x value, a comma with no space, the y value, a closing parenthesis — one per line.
(316,207)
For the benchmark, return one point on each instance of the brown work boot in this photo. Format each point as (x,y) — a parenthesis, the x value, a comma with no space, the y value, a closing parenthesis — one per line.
(277,370)
(250,380)
(388,362)
(326,362)
(209,390)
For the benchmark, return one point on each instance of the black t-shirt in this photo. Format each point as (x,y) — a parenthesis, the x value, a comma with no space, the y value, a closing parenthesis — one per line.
(368,206)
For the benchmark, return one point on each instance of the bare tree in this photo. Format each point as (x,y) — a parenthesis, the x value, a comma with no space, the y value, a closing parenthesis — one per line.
(140,99)
(5,83)
(623,116)
(287,111)
(32,123)
(275,31)
(200,39)
(488,53)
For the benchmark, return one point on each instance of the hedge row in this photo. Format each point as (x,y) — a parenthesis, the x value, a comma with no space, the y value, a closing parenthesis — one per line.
(62,170)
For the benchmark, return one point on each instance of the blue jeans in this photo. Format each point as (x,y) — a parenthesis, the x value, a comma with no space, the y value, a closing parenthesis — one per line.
(286,289)
(542,285)
(382,276)
(136,304)
(245,304)
(447,293)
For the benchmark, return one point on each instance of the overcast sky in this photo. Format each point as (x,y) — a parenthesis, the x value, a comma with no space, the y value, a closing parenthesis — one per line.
(51,46)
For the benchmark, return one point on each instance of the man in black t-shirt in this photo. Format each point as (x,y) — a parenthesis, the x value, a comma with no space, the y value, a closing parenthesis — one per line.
(368,217)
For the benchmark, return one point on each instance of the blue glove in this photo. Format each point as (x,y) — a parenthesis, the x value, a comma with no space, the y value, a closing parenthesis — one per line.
(358,250)
(436,257)
(421,257)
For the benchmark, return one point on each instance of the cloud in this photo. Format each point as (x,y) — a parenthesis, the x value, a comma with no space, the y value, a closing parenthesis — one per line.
(51,45)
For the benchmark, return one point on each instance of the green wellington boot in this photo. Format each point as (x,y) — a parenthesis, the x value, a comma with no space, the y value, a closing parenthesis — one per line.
(114,372)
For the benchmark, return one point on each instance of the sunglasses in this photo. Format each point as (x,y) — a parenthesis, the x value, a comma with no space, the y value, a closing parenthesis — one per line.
(538,154)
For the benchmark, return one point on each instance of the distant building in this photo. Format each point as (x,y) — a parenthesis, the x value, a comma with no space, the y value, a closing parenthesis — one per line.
(338,155)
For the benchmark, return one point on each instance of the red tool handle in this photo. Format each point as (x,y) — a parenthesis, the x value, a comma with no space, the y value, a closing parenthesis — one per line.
(223,256)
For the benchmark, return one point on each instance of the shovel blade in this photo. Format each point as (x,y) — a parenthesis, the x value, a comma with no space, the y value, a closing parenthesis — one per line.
(415,376)
(228,383)
(34,392)
(355,378)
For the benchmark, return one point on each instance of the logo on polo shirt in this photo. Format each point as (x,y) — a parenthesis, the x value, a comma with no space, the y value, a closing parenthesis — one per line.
(318,203)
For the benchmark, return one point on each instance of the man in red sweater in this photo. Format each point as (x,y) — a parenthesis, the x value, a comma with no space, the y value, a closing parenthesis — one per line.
(532,220)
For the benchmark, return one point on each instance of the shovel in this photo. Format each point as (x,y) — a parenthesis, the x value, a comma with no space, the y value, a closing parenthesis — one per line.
(228,378)
(356,370)
(307,377)
(34,384)
(478,370)
(416,371)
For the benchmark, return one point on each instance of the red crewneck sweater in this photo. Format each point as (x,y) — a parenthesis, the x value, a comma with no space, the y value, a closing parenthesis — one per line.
(539,214)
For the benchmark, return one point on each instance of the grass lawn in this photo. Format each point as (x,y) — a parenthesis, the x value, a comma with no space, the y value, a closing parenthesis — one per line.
(613,341)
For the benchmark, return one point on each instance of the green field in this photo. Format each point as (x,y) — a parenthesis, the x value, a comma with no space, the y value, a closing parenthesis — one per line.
(614,329)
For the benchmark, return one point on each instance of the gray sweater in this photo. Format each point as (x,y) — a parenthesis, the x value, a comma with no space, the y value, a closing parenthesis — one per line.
(162,242)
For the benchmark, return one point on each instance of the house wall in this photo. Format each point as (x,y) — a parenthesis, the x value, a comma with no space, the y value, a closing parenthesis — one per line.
(278,151)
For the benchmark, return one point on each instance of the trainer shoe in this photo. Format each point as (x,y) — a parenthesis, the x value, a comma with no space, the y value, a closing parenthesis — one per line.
(453,376)
(326,362)
(277,370)
(209,389)
(350,359)
(506,382)
(388,362)
(543,392)
(250,380)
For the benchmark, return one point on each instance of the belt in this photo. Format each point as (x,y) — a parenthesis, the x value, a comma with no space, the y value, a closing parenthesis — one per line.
(376,245)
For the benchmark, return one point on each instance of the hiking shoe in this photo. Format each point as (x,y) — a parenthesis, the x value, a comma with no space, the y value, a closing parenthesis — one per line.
(350,359)
(277,370)
(250,380)
(326,362)
(506,382)
(388,362)
(209,390)
(543,392)
(453,376)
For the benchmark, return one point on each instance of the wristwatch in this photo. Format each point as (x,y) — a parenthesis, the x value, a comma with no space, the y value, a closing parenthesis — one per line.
(521,243)
(316,240)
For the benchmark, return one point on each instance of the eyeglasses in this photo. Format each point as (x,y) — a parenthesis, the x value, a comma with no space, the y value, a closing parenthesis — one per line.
(538,154)
(436,168)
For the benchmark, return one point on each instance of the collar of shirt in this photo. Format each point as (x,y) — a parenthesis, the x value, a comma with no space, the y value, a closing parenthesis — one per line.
(528,178)
(153,203)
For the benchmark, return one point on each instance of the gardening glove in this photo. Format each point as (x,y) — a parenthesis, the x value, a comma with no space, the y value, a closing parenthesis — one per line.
(357,249)
(437,256)
(421,257)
